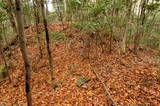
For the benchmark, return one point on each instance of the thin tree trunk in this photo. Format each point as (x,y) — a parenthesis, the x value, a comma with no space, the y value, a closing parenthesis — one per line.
(140,21)
(124,41)
(48,43)
(58,10)
(11,14)
(37,19)
(47,11)
(128,19)
(65,9)
(22,41)
(4,58)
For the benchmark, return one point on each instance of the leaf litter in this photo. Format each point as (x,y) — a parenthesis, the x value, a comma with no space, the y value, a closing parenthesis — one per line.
(131,79)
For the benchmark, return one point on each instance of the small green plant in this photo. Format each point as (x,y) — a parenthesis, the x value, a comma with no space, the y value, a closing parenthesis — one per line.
(4,71)
(54,85)
(152,41)
(81,81)
(61,81)
(158,74)
(73,65)
(56,36)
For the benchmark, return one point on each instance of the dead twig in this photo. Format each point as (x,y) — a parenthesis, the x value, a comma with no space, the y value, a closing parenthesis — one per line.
(104,86)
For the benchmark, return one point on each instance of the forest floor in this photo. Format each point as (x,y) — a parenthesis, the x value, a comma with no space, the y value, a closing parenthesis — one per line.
(132,79)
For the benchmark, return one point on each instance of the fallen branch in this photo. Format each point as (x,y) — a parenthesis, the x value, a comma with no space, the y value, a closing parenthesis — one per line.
(104,86)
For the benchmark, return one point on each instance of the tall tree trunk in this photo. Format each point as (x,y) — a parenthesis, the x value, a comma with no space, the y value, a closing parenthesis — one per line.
(47,11)
(59,11)
(65,9)
(128,19)
(4,59)
(11,13)
(4,33)
(1,50)
(37,20)
(140,22)
(48,44)
(22,41)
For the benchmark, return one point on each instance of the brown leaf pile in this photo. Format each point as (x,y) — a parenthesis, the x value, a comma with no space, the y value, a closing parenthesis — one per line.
(131,79)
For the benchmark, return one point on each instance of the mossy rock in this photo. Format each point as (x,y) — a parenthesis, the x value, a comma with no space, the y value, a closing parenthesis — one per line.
(81,81)
(4,71)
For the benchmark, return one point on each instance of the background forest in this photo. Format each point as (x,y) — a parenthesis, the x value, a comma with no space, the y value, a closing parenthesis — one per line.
(106,51)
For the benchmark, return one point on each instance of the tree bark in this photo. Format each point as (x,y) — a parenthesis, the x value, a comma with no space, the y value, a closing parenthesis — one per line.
(5,60)
(128,19)
(37,19)
(48,41)
(23,48)
(11,13)
(65,9)
(140,22)
(47,11)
